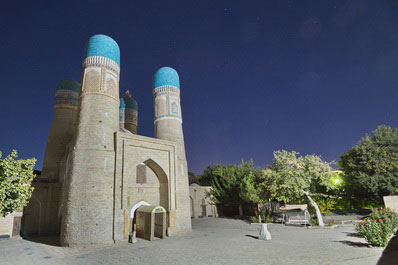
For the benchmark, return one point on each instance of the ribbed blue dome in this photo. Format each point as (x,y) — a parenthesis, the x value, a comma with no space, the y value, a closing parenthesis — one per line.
(130,103)
(68,84)
(122,104)
(102,45)
(166,76)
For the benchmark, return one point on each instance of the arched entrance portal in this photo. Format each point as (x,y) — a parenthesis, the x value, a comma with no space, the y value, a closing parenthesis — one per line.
(164,185)
(151,187)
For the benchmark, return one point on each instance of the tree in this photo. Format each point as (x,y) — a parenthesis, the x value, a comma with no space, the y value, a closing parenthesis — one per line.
(15,182)
(291,177)
(232,183)
(371,166)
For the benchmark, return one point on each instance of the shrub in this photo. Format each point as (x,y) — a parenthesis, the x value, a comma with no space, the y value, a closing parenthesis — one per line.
(266,217)
(326,205)
(314,220)
(378,227)
(254,219)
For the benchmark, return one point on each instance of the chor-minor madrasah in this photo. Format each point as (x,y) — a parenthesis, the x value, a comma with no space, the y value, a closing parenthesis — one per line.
(98,175)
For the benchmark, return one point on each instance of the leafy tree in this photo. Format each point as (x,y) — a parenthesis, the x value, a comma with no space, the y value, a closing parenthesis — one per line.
(16,176)
(371,167)
(232,183)
(291,177)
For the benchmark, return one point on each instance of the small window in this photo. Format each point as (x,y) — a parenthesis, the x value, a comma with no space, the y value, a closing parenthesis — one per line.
(141,173)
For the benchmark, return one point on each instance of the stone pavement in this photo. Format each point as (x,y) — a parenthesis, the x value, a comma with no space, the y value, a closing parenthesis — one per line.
(212,241)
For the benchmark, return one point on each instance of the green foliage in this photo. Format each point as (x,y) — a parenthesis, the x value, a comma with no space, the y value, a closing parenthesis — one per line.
(371,167)
(232,183)
(265,218)
(378,227)
(290,176)
(314,220)
(254,219)
(287,180)
(326,204)
(16,176)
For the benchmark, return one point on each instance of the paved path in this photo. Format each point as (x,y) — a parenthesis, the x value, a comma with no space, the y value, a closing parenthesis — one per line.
(212,241)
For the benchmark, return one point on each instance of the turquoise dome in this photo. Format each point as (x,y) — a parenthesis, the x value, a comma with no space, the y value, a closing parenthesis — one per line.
(130,103)
(166,76)
(69,84)
(122,104)
(102,45)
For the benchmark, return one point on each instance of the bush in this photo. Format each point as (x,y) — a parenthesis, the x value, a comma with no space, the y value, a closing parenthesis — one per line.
(314,220)
(326,205)
(265,218)
(378,227)
(254,219)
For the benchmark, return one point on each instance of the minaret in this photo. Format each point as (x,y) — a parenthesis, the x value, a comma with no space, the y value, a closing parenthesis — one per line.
(88,207)
(62,130)
(122,110)
(130,113)
(62,126)
(168,126)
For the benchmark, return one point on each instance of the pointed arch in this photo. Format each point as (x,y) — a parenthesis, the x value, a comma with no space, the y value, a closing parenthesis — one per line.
(164,193)
(162,176)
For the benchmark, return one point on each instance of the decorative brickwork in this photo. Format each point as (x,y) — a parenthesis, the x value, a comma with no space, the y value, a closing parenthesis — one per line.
(167,103)
(101,76)
(66,99)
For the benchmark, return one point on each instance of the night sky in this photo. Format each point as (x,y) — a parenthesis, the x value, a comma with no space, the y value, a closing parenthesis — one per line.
(256,76)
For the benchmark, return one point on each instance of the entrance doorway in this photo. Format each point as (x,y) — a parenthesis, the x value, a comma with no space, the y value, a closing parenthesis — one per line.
(151,222)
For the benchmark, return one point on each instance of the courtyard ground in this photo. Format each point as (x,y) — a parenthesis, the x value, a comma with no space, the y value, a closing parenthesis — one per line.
(212,241)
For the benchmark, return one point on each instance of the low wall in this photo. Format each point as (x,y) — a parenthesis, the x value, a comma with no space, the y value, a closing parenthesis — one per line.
(391,202)
(10,225)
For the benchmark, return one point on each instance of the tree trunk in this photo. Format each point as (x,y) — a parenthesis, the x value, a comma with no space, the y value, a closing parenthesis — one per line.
(240,210)
(318,212)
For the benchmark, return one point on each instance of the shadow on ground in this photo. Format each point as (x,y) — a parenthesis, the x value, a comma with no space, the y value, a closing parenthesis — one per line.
(353,243)
(255,237)
(46,240)
(390,253)
(352,234)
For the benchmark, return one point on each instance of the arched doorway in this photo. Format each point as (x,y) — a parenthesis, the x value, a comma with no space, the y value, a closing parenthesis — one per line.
(150,187)
(163,181)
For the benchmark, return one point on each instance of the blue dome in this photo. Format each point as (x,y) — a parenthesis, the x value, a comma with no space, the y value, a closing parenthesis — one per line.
(69,84)
(102,45)
(166,76)
(130,103)
(122,104)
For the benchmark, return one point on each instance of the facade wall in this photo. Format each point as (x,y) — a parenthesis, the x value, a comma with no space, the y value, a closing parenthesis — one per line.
(200,204)
(159,157)
(41,214)
(9,225)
